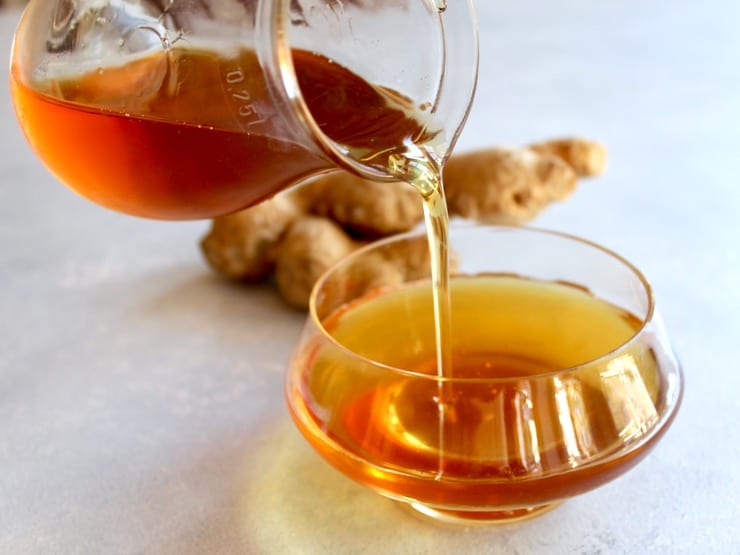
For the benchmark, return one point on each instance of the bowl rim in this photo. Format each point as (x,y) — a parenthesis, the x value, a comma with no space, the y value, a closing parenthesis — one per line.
(647,320)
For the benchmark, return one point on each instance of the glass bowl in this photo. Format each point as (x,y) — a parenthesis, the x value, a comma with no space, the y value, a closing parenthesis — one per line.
(562,376)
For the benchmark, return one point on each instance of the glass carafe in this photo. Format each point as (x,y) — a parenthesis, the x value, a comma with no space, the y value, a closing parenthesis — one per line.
(185,109)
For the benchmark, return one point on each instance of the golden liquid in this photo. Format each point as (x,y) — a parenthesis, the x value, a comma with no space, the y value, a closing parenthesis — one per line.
(502,444)
(426,177)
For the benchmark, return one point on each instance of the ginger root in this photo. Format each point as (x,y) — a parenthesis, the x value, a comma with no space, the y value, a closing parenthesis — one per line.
(588,159)
(313,244)
(310,247)
(367,208)
(526,183)
(299,234)
(240,245)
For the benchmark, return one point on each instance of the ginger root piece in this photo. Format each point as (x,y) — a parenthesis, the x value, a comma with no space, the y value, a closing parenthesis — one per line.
(299,234)
(384,267)
(311,245)
(241,245)
(587,158)
(314,244)
(509,186)
(366,207)
(495,185)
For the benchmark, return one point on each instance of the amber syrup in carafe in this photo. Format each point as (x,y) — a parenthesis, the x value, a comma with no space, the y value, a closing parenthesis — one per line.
(187,133)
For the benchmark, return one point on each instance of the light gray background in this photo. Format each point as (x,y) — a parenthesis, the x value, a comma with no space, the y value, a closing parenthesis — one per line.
(141,408)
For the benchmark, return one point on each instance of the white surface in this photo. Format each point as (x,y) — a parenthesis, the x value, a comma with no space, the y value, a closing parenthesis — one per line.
(141,408)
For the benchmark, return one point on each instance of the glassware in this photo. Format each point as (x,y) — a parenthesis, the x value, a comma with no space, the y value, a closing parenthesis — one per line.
(180,109)
(562,375)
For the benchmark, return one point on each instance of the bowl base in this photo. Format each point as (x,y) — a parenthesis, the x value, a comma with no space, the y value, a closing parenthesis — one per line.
(474,517)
